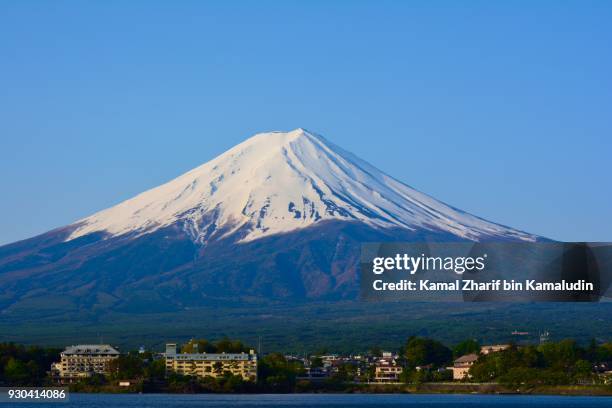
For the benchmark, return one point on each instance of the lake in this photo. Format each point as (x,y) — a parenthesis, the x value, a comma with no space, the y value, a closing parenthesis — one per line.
(321,400)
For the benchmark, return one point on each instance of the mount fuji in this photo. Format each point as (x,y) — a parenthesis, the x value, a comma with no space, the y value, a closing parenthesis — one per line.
(282,182)
(279,216)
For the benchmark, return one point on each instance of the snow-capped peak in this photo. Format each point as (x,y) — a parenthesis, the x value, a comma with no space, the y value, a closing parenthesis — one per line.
(279,182)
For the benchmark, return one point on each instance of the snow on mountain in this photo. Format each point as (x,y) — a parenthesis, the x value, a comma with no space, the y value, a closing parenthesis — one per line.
(279,182)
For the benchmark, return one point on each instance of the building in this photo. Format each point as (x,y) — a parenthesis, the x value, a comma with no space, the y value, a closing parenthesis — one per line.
(493,348)
(211,364)
(389,355)
(461,366)
(83,361)
(315,373)
(387,371)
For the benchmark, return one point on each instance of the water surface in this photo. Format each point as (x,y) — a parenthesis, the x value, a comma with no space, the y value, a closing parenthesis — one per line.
(321,400)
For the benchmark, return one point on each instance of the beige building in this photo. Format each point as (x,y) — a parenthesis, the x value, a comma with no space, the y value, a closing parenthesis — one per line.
(493,348)
(387,371)
(211,364)
(82,361)
(461,366)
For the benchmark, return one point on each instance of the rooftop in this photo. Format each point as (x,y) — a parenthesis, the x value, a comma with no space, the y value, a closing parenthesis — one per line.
(91,349)
(468,358)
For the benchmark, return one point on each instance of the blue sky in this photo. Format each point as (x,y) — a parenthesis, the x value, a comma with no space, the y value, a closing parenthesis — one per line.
(503,109)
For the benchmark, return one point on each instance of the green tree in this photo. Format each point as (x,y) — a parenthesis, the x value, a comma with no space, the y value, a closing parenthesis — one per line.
(155,370)
(423,351)
(233,383)
(604,353)
(346,372)
(34,360)
(224,345)
(277,374)
(561,355)
(583,371)
(517,376)
(199,345)
(466,347)
(563,362)
(369,373)
(316,362)
(126,367)
(16,372)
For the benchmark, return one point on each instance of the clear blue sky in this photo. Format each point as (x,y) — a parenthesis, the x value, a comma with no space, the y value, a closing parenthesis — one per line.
(503,109)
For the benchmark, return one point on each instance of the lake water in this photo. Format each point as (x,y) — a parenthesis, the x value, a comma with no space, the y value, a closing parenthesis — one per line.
(321,400)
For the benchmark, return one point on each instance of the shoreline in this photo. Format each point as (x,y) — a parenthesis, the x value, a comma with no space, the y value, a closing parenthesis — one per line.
(416,389)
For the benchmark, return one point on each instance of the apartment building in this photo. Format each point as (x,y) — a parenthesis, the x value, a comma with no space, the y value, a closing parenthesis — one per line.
(211,364)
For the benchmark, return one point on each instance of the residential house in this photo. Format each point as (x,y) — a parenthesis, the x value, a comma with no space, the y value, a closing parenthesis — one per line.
(387,371)
(462,365)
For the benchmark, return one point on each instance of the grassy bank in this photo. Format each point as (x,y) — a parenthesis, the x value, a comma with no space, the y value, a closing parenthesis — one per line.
(471,388)
(424,388)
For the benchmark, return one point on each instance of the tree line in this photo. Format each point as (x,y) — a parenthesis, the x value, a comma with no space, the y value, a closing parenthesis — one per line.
(423,360)
(561,363)
(21,365)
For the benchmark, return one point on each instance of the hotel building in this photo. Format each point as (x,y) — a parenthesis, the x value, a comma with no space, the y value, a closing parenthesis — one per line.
(211,364)
(82,361)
